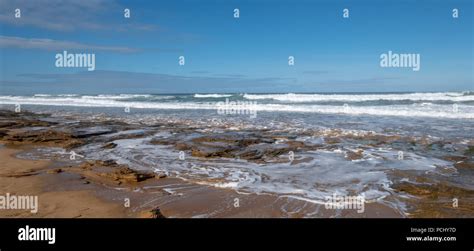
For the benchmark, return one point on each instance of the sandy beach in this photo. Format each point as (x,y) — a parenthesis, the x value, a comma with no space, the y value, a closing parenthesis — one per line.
(58,197)
(78,188)
(75,193)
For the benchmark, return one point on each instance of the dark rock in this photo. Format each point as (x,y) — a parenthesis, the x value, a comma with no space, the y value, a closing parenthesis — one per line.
(160,175)
(469,151)
(56,170)
(47,137)
(354,155)
(182,146)
(454,158)
(110,145)
(464,165)
(156,213)
(209,152)
(84,133)
(433,191)
(3,133)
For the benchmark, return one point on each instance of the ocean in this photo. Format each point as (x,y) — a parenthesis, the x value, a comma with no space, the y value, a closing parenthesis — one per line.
(435,105)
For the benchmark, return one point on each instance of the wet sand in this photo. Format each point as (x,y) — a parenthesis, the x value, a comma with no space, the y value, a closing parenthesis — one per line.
(105,188)
(71,193)
(28,177)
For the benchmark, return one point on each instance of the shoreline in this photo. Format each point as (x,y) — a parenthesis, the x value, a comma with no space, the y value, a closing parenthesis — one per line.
(104,187)
(71,193)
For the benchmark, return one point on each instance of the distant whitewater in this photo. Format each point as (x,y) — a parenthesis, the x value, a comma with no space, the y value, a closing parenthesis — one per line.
(436,105)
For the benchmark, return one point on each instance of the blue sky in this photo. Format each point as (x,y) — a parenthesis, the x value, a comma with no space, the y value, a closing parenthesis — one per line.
(224,54)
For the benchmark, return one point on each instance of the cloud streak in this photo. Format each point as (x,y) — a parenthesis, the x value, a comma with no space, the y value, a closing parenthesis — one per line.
(54,45)
(67,15)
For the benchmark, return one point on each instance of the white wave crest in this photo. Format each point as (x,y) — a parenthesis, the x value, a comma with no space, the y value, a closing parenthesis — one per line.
(212,95)
(433,110)
(295,98)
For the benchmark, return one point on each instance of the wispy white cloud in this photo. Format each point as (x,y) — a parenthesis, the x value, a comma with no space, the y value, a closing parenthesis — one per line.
(67,15)
(53,45)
